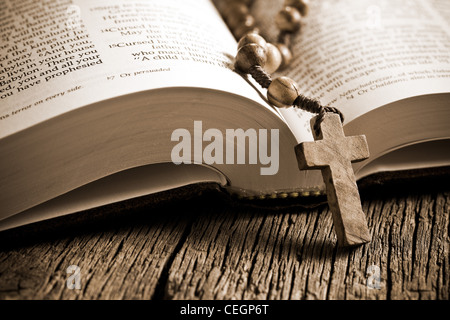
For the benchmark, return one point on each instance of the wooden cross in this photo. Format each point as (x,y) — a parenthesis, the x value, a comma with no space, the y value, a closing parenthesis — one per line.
(333,153)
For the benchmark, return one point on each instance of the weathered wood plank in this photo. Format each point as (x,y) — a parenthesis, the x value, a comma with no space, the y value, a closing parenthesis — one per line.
(123,260)
(209,249)
(294,255)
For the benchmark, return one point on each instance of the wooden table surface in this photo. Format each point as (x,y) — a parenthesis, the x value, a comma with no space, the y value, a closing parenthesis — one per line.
(210,248)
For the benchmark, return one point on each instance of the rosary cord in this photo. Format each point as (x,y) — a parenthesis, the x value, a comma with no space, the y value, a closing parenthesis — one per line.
(259,58)
(313,106)
(260,76)
(302,102)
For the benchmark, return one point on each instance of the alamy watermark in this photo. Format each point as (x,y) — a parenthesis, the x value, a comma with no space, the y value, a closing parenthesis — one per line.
(220,147)
(73,13)
(74,279)
(373,17)
(374,277)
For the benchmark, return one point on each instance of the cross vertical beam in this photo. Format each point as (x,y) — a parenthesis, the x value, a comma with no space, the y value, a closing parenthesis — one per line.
(333,153)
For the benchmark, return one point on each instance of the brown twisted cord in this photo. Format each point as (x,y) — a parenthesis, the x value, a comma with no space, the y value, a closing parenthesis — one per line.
(307,104)
(260,76)
(302,102)
(313,106)
(335,110)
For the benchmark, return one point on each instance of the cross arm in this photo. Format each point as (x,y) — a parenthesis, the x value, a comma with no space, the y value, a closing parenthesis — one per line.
(357,148)
(311,155)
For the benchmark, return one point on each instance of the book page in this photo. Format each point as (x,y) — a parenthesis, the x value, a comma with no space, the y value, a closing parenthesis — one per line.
(58,55)
(360,55)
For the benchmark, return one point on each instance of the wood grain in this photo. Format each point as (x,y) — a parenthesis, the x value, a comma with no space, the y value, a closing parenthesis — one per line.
(209,248)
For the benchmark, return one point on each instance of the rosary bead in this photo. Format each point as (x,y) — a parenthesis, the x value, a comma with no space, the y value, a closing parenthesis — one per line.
(288,19)
(252,38)
(250,55)
(274,58)
(300,5)
(282,92)
(286,55)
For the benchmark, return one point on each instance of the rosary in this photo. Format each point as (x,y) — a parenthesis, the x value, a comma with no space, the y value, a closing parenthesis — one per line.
(332,151)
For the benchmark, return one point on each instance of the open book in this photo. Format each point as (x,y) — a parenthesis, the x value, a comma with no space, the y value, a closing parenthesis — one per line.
(102,101)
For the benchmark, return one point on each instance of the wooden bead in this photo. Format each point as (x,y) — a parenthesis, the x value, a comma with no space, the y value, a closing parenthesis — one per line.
(282,92)
(301,5)
(250,55)
(274,58)
(252,38)
(288,19)
(286,55)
